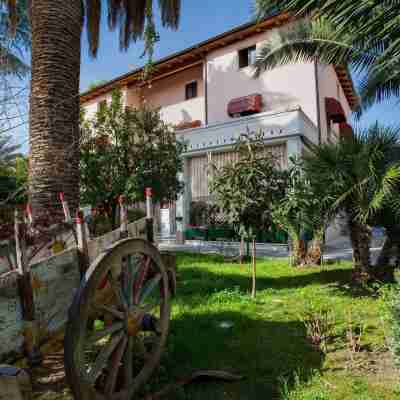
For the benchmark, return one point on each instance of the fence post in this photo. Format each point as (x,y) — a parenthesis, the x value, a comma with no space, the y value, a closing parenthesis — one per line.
(123,214)
(25,293)
(29,213)
(149,216)
(65,207)
(82,243)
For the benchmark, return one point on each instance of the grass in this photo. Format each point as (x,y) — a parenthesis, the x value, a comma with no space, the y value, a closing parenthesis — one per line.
(216,325)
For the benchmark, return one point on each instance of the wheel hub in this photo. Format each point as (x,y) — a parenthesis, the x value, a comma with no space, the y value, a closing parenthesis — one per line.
(133,324)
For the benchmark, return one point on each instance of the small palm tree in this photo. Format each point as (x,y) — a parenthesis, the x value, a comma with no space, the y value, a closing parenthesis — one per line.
(361,176)
(54,103)
(341,33)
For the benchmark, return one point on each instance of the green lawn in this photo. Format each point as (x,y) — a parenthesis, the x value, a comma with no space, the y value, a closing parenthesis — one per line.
(267,342)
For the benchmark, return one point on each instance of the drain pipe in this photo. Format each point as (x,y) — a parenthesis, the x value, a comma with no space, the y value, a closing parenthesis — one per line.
(318,101)
(205,85)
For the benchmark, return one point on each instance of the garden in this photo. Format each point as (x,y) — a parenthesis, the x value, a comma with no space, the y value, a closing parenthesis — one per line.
(308,335)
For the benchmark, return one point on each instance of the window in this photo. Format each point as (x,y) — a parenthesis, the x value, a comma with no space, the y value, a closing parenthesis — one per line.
(247,56)
(191,90)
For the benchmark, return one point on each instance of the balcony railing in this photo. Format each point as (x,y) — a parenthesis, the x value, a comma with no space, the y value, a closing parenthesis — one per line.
(276,125)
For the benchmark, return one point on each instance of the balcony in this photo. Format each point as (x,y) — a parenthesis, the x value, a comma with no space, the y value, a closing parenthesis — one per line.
(276,125)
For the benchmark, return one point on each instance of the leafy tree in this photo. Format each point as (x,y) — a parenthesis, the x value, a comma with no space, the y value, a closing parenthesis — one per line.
(304,208)
(123,151)
(96,84)
(14,182)
(341,33)
(7,151)
(54,101)
(361,175)
(246,190)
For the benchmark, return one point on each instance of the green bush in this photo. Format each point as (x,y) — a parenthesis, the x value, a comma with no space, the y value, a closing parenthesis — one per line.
(395,313)
(390,314)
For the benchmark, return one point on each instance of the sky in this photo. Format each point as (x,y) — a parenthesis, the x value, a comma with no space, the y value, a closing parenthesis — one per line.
(200,20)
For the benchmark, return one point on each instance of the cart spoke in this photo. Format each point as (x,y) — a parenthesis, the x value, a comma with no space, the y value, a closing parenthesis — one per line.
(114,367)
(105,332)
(128,363)
(115,286)
(141,278)
(112,311)
(129,275)
(102,358)
(149,287)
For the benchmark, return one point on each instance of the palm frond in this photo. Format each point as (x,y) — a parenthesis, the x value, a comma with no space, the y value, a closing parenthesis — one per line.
(12,64)
(379,84)
(306,41)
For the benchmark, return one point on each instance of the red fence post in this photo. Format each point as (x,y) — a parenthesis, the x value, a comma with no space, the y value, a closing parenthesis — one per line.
(123,218)
(83,250)
(149,215)
(65,207)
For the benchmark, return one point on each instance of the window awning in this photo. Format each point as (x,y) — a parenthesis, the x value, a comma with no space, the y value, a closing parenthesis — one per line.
(188,125)
(334,110)
(246,105)
(346,130)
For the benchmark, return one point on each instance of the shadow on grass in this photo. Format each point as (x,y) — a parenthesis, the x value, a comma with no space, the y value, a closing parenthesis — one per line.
(263,352)
(206,282)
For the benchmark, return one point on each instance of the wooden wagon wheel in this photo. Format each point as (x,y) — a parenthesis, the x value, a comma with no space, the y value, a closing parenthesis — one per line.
(118,323)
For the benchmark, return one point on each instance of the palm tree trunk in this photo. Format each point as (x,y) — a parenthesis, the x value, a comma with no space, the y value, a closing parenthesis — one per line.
(383,268)
(360,236)
(54,104)
(314,251)
(386,252)
(298,252)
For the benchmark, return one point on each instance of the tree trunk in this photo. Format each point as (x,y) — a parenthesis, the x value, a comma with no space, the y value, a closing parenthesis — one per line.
(314,251)
(386,252)
(254,271)
(360,236)
(54,104)
(384,270)
(298,252)
(241,253)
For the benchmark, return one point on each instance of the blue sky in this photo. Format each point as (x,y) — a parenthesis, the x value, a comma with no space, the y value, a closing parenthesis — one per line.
(200,20)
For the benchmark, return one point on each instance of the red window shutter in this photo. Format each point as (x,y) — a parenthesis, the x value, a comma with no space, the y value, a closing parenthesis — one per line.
(334,110)
(246,105)
(346,130)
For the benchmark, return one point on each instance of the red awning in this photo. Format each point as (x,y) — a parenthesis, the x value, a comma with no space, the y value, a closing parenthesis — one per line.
(246,105)
(346,130)
(334,110)
(188,125)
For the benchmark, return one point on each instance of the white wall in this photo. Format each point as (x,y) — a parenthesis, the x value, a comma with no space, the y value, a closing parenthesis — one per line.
(91,106)
(284,87)
(169,94)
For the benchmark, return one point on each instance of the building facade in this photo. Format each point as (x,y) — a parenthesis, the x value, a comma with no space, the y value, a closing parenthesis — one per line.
(210,94)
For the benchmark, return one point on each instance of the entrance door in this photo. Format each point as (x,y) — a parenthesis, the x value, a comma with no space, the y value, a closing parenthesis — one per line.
(165,223)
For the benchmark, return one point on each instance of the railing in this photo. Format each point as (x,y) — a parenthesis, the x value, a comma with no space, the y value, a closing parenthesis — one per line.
(275,125)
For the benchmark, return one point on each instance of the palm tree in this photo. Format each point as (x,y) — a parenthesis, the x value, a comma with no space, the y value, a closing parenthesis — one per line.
(7,151)
(361,176)
(54,102)
(341,33)
(12,48)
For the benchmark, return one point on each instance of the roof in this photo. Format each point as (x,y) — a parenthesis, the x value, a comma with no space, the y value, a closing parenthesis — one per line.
(195,55)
